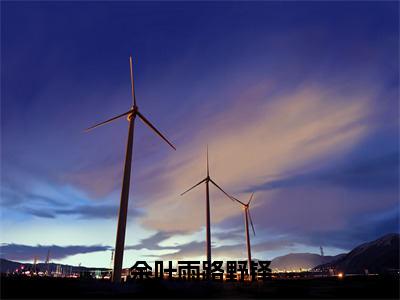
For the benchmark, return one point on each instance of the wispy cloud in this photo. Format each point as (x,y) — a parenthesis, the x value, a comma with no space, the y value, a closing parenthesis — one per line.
(47,207)
(99,179)
(380,172)
(27,253)
(287,132)
(152,242)
(96,211)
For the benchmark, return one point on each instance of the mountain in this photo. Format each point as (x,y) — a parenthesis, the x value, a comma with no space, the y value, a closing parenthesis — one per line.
(379,256)
(10,266)
(297,261)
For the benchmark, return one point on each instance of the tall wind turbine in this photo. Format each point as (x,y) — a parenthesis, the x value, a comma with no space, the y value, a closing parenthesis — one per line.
(123,208)
(247,217)
(207,180)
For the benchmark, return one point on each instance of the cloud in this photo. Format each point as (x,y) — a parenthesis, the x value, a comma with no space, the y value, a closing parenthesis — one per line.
(39,213)
(96,212)
(98,179)
(46,207)
(298,129)
(291,151)
(32,204)
(277,150)
(45,199)
(12,197)
(152,242)
(380,172)
(361,228)
(234,251)
(27,253)
(377,173)
(179,251)
(229,234)
(51,203)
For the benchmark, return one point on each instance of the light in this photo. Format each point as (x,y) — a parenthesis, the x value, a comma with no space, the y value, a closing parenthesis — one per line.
(340,275)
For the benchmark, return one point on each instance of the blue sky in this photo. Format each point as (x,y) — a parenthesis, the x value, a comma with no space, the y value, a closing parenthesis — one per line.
(298,102)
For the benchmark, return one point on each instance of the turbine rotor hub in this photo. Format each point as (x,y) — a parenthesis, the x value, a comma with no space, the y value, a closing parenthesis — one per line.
(134,110)
(129,117)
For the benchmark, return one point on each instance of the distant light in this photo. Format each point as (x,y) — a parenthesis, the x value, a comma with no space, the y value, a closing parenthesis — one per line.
(340,275)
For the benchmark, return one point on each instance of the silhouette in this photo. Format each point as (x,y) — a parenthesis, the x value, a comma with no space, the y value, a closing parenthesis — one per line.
(247,217)
(123,209)
(207,180)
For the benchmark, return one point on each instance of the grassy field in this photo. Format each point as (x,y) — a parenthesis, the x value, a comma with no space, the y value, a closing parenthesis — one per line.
(317,288)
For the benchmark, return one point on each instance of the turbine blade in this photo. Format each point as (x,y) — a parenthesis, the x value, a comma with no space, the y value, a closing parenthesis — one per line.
(108,121)
(251,198)
(208,170)
(251,221)
(132,82)
(194,186)
(147,122)
(225,193)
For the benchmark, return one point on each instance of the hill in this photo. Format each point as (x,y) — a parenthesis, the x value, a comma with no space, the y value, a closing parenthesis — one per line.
(9,266)
(297,261)
(379,256)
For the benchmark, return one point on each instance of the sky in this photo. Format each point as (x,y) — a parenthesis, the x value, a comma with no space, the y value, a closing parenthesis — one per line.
(297,102)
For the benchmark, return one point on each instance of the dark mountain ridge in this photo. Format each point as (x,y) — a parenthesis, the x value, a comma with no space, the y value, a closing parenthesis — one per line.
(297,261)
(378,256)
(10,266)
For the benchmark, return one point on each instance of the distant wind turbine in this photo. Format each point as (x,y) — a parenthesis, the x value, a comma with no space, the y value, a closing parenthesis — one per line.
(123,208)
(207,180)
(247,217)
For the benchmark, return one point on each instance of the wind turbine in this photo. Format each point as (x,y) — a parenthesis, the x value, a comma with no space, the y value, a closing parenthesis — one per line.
(247,217)
(131,114)
(207,180)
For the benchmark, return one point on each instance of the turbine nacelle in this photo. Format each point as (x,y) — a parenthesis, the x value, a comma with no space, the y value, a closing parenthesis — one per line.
(246,208)
(208,179)
(133,112)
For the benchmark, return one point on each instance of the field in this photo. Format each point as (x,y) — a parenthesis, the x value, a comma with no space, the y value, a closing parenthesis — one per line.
(349,287)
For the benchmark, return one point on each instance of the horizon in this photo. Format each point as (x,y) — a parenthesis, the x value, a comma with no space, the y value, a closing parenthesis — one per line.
(294,106)
(151,262)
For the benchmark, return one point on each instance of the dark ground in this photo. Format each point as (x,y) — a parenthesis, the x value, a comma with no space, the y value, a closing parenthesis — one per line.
(349,287)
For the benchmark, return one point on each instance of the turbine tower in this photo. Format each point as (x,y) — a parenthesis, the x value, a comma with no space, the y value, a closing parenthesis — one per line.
(207,180)
(35,258)
(131,114)
(47,262)
(112,258)
(247,217)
